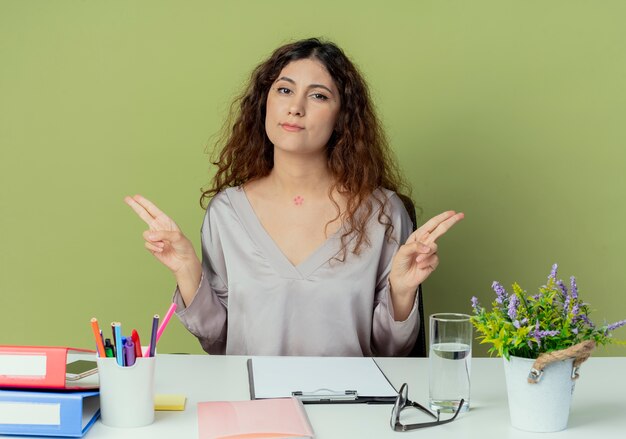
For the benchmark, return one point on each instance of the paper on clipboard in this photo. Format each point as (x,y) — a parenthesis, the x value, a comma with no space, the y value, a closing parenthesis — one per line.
(319,379)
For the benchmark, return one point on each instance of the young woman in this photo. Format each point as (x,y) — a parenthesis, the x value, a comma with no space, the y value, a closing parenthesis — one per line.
(306,248)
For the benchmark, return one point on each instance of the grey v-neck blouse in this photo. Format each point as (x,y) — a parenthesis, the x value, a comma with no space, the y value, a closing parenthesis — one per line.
(253,301)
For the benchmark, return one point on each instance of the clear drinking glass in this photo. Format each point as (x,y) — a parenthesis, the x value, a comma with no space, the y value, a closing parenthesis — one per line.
(450,361)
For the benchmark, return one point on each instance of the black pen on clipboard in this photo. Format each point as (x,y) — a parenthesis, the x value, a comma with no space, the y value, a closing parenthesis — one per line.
(326,395)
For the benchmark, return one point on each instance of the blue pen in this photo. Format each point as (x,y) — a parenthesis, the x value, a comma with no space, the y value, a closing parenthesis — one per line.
(129,352)
(155,327)
(117,326)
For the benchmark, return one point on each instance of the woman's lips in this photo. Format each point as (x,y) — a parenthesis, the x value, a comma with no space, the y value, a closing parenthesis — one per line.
(291,128)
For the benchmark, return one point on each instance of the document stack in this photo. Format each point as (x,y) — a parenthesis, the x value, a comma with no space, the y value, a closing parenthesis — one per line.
(48,391)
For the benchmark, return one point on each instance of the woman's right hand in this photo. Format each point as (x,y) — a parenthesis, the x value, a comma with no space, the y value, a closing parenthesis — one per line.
(164,238)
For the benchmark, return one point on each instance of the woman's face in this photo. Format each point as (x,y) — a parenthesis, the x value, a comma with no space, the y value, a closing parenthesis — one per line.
(302,107)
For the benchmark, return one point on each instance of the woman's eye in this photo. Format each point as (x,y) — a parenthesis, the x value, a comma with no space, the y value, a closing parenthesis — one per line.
(319,96)
(283,90)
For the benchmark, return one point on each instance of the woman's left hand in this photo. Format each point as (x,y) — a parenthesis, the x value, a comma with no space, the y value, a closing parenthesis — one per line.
(417,258)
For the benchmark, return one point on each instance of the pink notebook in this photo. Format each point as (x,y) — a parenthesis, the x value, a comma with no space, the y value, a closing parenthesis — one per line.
(261,418)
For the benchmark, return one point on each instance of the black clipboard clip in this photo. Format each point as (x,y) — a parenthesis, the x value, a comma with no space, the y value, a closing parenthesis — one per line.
(326,395)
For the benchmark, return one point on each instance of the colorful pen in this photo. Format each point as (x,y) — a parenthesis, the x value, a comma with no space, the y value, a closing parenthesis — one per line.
(166,319)
(108,348)
(129,352)
(135,336)
(96,334)
(152,347)
(118,343)
(113,337)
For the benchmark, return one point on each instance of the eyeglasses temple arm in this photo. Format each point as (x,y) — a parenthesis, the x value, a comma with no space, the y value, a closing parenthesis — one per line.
(422,409)
(401,427)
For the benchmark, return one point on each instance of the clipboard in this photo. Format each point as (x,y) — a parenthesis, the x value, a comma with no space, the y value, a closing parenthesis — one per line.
(320,380)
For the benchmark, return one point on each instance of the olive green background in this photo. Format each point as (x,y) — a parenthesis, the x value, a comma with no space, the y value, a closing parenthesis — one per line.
(512,112)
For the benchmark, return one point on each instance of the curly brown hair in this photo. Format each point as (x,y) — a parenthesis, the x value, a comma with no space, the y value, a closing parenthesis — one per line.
(359,157)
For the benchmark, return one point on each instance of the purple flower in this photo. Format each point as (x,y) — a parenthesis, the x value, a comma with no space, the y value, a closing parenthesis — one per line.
(516,324)
(575,331)
(543,334)
(574,287)
(562,287)
(585,319)
(553,272)
(575,310)
(566,304)
(513,304)
(500,291)
(615,325)
(538,334)
(475,303)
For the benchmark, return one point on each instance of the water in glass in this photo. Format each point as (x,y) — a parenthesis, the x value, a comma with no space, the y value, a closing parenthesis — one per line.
(450,376)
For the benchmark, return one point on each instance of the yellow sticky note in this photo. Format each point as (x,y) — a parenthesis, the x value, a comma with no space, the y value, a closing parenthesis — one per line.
(169,402)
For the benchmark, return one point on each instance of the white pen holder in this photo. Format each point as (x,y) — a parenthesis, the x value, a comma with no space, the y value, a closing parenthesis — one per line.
(127,393)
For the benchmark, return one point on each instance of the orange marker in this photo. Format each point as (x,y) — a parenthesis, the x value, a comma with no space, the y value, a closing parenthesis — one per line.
(96,334)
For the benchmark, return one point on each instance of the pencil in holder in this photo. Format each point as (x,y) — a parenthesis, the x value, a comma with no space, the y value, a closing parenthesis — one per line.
(127,393)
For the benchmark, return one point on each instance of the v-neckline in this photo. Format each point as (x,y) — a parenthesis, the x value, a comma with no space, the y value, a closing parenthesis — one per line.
(283,266)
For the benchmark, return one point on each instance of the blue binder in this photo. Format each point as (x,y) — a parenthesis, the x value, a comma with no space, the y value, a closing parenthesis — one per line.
(48,413)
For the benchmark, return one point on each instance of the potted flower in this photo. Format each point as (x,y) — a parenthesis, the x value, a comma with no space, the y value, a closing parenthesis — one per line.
(543,338)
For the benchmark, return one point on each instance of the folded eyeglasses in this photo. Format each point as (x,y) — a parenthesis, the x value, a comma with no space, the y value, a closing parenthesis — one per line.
(403,402)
